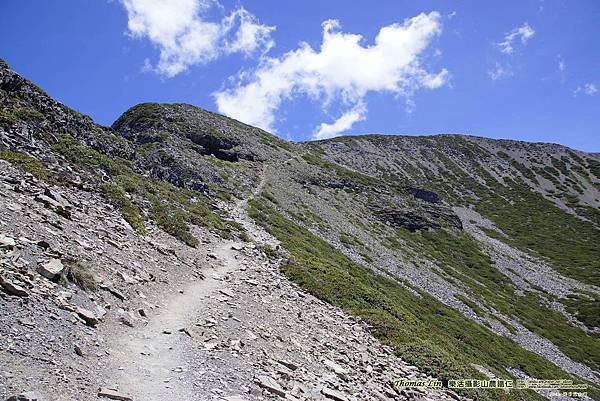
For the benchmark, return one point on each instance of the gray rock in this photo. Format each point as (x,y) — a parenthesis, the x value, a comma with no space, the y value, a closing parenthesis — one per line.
(288,364)
(226,292)
(340,371)
(333,394)
(51,269)
(114,395)
(54,205)
(77,349)
(88,316)
(13,289)
(270,384)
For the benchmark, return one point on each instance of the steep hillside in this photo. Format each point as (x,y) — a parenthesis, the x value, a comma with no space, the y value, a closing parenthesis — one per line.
(503,233)
(469,257)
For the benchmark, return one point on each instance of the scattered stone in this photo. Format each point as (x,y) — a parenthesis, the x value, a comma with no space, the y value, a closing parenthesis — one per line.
(340,371)
(333,394)
(58,197)
(88,316)
(270,384)
(13,289)
(54,205)
(45,245)
(7,242)
(113,395)
(288,364)
(127,320)
(126,278)
(113,291)
(77,349)
(226,292)
(191,332)
(51,269)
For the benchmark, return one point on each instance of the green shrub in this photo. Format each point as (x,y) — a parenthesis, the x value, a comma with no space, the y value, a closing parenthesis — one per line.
(86,156)
(586,309)
(171,207)
(271,252)
(268,195)
(143,116)
(7,119)
(172,220)
(28,164)
(82,275)
(129,210)
(29,115)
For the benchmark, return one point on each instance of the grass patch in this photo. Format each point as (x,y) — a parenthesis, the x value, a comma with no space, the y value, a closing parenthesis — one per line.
(533,223)
(585,308)
(268,195)
(27,163)
(173,221)
(86,156)
(268,250)
(28,114)
(82,275)
(129,211)
(7,119)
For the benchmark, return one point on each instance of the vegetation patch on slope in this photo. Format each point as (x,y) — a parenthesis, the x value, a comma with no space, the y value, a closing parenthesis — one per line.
(436,338)
(460,255)
(533,223)
(170,207)
(27,163)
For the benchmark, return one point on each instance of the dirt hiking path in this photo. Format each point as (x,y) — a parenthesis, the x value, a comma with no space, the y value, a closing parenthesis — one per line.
(151,359)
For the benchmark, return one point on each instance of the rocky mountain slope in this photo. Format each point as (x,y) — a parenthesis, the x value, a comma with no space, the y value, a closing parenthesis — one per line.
(183,254)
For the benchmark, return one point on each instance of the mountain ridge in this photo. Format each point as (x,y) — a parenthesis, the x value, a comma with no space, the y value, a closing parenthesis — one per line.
(439,243)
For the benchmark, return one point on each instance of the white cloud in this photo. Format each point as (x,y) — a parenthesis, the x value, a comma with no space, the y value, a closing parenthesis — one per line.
(524,33)
(589,89)
(342,69)
(184,37)
(500,71)
(344,123)
(250,36)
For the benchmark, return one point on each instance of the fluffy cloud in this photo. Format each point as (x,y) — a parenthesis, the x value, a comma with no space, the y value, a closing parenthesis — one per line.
(341,70)
(184,37)
(524,33)
(589,89)
(344,123)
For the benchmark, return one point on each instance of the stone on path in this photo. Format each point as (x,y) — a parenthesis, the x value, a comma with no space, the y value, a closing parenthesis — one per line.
(113,395)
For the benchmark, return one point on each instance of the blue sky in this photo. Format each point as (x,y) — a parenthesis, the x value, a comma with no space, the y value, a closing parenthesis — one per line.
(527,70)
